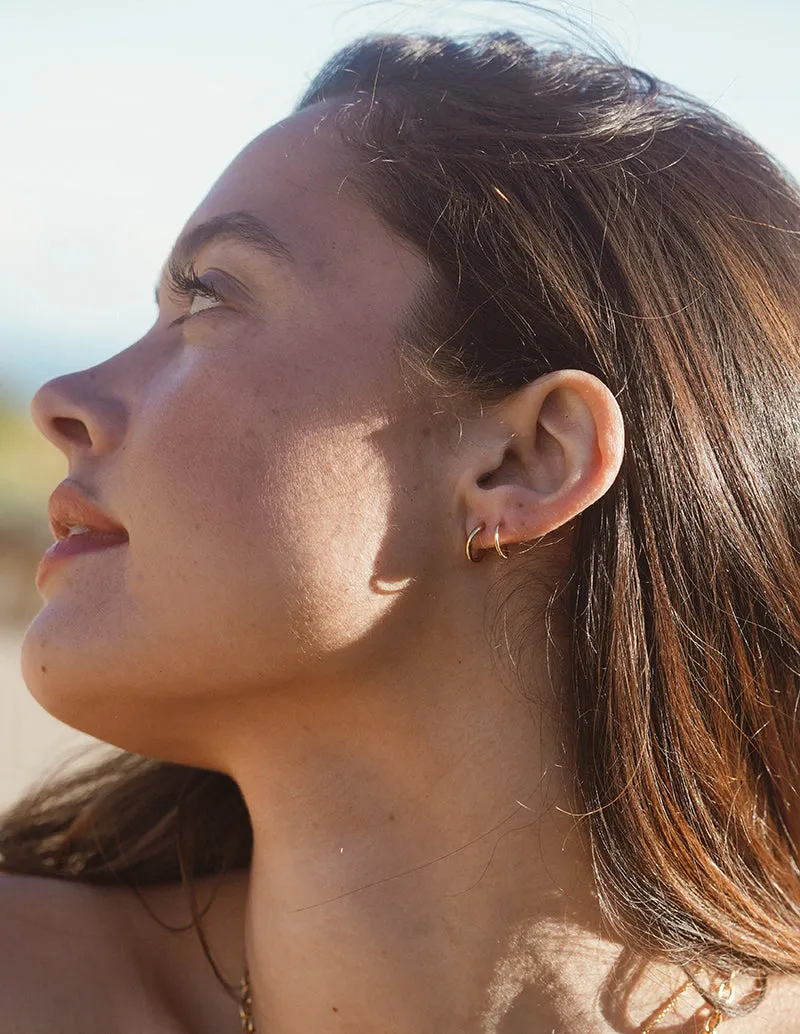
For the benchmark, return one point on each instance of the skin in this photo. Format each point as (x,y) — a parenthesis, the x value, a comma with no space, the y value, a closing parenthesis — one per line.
(295,608)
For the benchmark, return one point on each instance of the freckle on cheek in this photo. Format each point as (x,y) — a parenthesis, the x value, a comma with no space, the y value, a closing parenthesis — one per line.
(44,668)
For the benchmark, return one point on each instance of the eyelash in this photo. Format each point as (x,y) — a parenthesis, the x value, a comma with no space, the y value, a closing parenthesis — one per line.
(184,282)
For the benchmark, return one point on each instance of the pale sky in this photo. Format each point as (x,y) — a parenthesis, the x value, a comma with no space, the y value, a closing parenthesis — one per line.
(118,116)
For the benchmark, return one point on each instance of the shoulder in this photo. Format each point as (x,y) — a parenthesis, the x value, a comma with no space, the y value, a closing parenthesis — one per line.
(82,959)
(64,965)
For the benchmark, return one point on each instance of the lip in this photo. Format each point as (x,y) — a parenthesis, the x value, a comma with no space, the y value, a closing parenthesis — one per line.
(68,505)
(86,542)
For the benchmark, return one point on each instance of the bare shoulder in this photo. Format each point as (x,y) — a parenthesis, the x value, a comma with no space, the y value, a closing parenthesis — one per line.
(63,963)
(81,959)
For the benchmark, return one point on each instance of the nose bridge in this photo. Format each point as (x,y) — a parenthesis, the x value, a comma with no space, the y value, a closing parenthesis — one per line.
(80,410)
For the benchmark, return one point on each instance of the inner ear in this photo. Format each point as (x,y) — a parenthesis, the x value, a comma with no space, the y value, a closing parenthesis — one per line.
(548,462)
(538,464)
(511,470)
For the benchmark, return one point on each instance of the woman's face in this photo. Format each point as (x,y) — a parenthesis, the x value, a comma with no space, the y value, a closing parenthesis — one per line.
(279,488)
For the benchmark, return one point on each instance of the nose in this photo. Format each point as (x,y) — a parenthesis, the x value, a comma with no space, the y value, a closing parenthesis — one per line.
(75,417)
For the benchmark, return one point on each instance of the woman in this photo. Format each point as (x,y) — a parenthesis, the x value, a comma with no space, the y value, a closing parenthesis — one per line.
(442,546)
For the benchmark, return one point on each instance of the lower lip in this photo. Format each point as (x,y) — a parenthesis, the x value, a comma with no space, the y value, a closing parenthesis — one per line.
(87,542)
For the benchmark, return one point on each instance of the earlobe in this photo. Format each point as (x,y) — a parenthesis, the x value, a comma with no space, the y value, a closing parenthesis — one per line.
(560,440)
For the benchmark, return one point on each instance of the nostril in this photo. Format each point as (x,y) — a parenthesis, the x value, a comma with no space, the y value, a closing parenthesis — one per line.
(72,430)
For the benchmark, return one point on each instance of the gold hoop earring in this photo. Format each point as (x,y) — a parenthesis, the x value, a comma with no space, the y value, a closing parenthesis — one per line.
(497,543)
(472,534)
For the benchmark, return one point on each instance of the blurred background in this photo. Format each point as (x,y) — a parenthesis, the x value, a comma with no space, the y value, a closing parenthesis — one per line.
(117,118)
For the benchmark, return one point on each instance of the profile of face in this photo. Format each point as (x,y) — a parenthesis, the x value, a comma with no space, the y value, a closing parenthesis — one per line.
(296,517)
(280,489)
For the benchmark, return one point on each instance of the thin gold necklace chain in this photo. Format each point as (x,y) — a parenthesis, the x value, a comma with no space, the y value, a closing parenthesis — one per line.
(725,992)
(246,1004)
(711,1024)
(665,1008)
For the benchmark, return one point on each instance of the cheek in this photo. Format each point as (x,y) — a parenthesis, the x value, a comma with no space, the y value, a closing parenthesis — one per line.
(330,507)
(200,548)
(260,523)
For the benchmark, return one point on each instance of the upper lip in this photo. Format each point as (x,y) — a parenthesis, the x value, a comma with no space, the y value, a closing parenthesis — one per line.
(69,506)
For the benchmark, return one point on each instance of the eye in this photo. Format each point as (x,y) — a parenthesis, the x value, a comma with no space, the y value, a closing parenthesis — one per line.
(200,301)
(201,294)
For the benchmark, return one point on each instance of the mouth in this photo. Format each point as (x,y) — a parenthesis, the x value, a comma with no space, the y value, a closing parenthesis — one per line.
(78,526)
(61,532)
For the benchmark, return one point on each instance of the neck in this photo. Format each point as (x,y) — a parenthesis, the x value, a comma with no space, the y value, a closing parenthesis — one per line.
(412,869)
(416,869)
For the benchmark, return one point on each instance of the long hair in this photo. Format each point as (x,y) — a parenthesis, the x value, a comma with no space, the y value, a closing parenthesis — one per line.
(578,213)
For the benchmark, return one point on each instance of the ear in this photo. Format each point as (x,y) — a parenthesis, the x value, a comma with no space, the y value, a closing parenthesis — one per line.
(540,457)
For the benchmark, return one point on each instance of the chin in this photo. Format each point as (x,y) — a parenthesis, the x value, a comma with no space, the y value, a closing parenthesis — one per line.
(62,677)
(98,685)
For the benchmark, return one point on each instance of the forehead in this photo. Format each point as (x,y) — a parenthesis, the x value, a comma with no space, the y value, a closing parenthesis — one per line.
(295,177)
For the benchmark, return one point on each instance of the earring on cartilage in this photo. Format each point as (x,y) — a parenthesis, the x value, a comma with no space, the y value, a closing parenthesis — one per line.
(497,543)
(472,534)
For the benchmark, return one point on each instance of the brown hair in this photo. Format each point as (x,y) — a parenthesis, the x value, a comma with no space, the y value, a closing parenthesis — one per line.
(579,214)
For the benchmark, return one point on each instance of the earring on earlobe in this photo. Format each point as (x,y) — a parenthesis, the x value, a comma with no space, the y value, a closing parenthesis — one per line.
(497,543)
(497,546)
(470,537)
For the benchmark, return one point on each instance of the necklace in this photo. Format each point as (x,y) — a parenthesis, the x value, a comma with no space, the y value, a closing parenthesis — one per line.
(665,1008)
(724,993)
(246,1004)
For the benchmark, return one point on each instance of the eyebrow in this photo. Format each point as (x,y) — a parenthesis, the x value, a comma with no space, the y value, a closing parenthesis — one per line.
(243,227)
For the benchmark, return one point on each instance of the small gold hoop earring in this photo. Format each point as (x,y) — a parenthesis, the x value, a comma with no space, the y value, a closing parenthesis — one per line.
(472,534)
(497,543)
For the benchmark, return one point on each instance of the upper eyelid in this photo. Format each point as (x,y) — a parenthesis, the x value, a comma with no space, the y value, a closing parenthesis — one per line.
(184,281)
